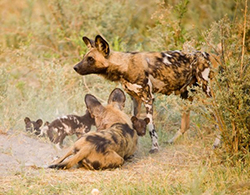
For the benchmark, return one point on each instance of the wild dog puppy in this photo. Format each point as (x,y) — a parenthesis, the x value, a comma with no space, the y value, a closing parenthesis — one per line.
(33,126)
(58,129)
(144,73)
(140,125)
(106,148)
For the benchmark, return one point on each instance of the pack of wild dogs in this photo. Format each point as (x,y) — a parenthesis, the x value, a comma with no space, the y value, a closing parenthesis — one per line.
(141,74)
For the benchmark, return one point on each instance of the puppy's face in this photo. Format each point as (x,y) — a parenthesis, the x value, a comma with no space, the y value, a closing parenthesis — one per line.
(140,125)
(32,125)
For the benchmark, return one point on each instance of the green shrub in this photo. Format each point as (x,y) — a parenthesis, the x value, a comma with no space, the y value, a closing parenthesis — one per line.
(230,103)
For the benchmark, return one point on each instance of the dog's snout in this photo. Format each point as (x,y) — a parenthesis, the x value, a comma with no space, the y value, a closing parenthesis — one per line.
(76,68)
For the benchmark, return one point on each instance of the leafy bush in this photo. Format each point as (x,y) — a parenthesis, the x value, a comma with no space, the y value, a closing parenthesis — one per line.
(230,103)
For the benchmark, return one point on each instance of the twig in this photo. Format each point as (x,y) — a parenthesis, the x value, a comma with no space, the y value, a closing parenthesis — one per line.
(243,40)
(85,84)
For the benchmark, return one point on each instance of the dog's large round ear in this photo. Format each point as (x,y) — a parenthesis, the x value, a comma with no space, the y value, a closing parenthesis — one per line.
(146,120)
(133,119)
(27,120)
(89,42)
(46,123)
(94,107)
(39,122)
(102,45)
(117,96)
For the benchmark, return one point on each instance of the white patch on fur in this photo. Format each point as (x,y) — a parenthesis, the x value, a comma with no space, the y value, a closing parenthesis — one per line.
(150,116)
(44,130)
(133,87)
(178,51)
(64,117)
(205,74)
(32,127)
(208,90)
(67,129)
(168,55)
(151,88)
(166,61)
(56,130)
(76,121)
(204,54)
(150,124)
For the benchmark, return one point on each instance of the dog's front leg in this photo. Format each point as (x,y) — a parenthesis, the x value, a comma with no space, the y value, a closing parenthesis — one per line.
(136,106)
(151,126)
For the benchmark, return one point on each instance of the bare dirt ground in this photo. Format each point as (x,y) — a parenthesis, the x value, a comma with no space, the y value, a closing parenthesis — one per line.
(19,150)
(179,167)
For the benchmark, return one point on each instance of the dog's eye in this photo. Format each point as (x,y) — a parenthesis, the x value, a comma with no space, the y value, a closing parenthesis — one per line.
(90,59)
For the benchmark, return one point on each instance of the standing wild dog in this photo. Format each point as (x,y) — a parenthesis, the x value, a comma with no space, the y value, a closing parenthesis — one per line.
(145,73)
(33,126)
(58,129)
(106,148)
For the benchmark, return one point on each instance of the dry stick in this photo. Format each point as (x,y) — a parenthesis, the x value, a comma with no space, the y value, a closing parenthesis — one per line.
(85,84)
(243,41)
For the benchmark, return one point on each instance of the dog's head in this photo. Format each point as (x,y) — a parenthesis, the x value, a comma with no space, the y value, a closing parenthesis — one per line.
(106,116)
(95,60)
(33,125)
(140,125)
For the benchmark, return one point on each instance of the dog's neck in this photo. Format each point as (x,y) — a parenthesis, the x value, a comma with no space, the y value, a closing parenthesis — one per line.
(121,67)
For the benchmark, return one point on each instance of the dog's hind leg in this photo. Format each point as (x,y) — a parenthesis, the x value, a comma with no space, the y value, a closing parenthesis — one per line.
(112,160)
(109,159)
(68,163)
(185,124)
(69,153)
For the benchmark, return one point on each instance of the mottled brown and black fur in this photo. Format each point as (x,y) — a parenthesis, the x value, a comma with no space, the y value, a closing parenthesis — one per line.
(67,125)
(106,148)
(145,73)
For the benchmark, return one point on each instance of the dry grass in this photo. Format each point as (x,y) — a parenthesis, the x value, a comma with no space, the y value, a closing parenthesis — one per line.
(40,41)
(188,167)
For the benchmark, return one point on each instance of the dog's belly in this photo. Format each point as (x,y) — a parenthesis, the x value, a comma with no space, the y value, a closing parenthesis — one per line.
(167,86)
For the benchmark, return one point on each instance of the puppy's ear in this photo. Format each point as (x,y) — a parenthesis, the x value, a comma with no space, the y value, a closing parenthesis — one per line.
(94,107)
(117,97)
(46,123)
(146,120)
(89,42)
(102,46)
(27,120)
(133,119)
(39,122)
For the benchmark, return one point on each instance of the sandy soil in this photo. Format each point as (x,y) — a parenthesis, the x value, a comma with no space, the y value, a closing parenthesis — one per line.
(19,150)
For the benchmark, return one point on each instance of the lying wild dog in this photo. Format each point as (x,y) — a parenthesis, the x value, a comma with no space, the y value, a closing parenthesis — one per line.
(145,73)
(33,126)
(58,129)
(105,148)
